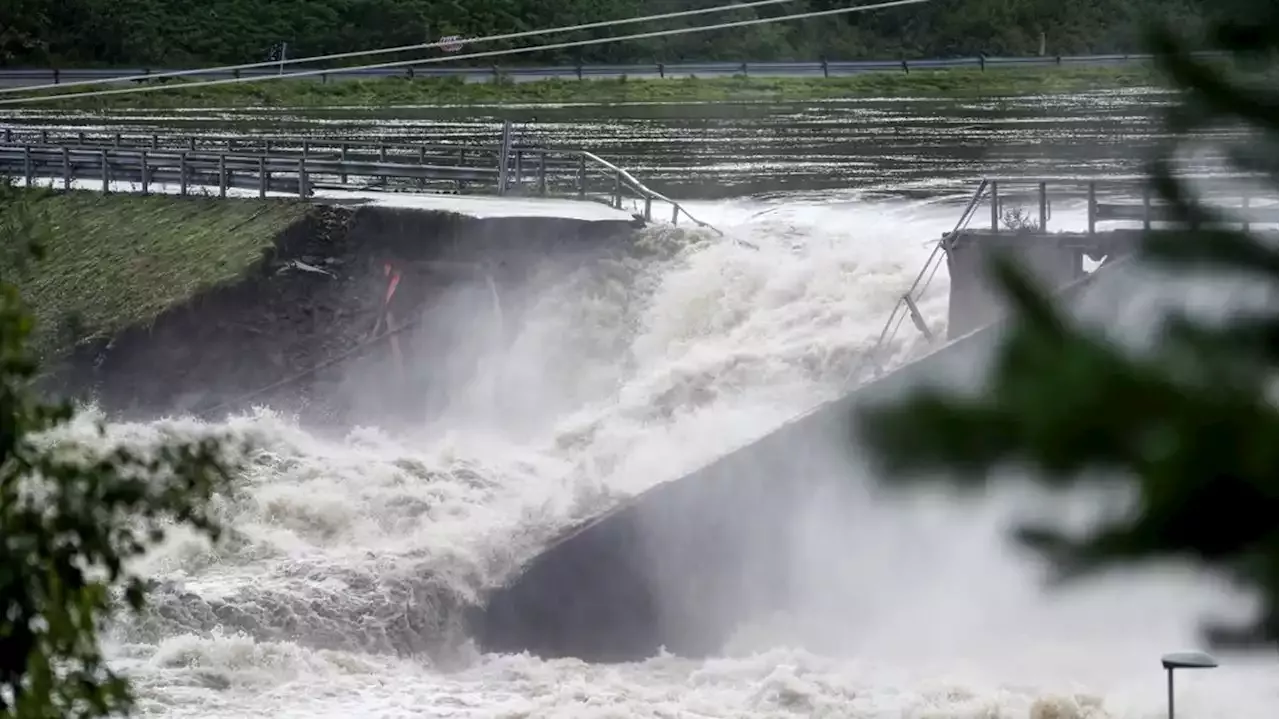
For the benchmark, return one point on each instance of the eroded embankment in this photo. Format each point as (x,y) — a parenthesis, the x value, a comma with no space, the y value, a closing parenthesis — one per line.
(153,305)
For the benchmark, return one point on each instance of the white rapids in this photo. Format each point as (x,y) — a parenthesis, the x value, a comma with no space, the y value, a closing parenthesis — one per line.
(335,595)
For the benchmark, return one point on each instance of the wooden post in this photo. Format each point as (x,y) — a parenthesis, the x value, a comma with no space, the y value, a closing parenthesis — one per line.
(262,176)
(222,175)
(995,206)
(182,173)
(66,168)
(106,172)
(146,174)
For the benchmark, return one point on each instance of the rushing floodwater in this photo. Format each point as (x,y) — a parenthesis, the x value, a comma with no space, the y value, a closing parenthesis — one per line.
(322,603)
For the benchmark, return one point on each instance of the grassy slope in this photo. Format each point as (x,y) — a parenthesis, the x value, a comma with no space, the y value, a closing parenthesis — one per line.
(119,260)
(401,91)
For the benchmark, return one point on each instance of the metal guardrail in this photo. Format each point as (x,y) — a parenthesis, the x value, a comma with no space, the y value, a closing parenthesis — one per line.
(16,77)
(300,165)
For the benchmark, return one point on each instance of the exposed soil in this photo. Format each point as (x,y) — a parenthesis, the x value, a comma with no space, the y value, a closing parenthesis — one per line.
(273,337)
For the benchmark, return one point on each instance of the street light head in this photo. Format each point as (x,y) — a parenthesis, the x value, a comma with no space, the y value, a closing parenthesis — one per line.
(1188,660)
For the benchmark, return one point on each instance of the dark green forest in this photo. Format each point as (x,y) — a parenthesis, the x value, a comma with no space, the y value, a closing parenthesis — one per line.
(182,33)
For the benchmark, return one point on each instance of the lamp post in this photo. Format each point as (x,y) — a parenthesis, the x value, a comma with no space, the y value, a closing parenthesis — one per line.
(1184,660)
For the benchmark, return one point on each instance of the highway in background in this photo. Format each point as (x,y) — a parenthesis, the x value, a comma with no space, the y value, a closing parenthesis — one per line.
(42,76)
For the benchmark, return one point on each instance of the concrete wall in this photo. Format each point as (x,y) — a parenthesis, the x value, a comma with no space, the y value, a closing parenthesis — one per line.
(685,563)
(975,301)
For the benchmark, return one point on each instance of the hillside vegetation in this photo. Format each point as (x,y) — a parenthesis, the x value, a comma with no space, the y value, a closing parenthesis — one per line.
(172,33)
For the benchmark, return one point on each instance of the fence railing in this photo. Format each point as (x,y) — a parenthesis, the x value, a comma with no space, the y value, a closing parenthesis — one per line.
(301,165)
(1234,198)
(822,67)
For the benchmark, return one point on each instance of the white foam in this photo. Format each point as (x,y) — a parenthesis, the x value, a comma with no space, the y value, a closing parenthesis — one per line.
(622,375)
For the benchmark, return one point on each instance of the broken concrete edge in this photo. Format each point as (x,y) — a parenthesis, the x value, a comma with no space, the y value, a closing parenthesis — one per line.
(307,256)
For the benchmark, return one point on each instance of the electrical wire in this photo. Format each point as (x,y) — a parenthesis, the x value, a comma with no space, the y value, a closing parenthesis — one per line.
(470,56)
(401,48)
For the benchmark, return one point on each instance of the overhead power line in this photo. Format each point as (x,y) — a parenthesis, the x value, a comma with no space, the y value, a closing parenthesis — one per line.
(402,48)
(471,56)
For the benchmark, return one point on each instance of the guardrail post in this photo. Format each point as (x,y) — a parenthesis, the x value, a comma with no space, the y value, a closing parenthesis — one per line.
(648,208)
(263,177)
(222,175)
(1244,205)
(504,156)
(1044,207)
(382,157)
(826,69)
(675,214)
(542,173)
(182,173)
(578,68)
(905,68)
(1093,206)
(8,135)
(1146,206)
(342,155)
(662,70)
(191,143)
(66,169)
(617,190)
(44,137)
(106,172)
(582,176)
(302,177)
(519,169)
(462,162)
(995,206)
(57,76)
(26,166)
(79,138)
(744,69)
(146,174)
(982,63)
(155,141)
(117,140)
(306,148)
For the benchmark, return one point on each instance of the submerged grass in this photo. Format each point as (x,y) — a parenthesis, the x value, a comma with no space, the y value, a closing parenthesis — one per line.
(455,91)
(116,261)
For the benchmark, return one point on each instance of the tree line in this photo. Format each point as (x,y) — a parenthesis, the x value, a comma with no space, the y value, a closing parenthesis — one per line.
(184,33)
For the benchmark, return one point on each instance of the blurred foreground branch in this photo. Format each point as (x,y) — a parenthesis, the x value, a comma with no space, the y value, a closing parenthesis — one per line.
(1191,424)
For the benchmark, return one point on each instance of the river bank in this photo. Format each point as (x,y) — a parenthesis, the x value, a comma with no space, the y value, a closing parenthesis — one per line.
(312,93)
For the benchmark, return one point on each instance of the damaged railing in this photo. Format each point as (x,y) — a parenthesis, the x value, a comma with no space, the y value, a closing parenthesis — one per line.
(906,305)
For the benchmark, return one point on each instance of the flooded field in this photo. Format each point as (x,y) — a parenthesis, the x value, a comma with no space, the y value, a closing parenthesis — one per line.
(917,147)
